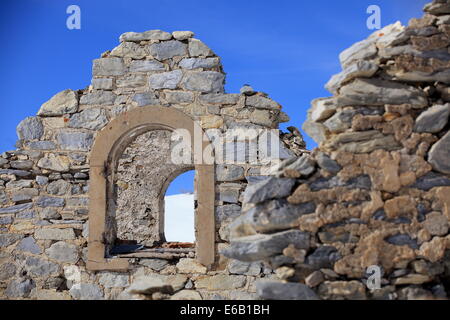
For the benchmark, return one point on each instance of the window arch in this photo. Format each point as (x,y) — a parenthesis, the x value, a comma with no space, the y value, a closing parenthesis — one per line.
(109,145)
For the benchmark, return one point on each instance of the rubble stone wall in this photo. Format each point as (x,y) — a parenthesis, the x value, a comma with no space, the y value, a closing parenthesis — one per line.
(376,192)
(44,183)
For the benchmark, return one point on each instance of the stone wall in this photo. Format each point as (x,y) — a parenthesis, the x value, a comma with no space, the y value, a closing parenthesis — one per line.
(376,191)
(44,183)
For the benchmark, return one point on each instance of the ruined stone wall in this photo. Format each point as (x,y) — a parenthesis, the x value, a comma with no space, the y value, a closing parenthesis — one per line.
(44,183)
(376,192)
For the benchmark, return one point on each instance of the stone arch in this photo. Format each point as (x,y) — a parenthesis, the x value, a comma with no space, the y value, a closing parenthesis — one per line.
(108,145)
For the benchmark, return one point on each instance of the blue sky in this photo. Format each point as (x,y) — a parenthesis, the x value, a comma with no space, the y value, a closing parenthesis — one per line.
(288,49)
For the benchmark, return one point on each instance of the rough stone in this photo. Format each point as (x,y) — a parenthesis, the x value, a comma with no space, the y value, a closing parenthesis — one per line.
(359,69)
(187,265)
(186,295)
(165,80)
(182,35)
(272,290)
(269,188)
(28,244)
(433,119)
(260,247)
(62,103)
(30,129)
(197,48)
(63,252)
(99,97)
(145,99)
(75,141)
(262,103)
(220,282)
(86,291)
(9,239)
(93,119)
(114,280)
(40,267)
(439,155)
(167,49)
(379,92)
(108,67)
(19,288)
(195,63)
(205,81)
(145,36)
(322,109)
(54,234)
(16,208)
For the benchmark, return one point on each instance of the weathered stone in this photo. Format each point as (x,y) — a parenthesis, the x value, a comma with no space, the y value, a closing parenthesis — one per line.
(108,67)
(340,121)
(259,247)
(55,163)
(93,119)
(323,257)
(60,104)
(18,173)
(359,69)
(270,216)
(227,212)
(362,50)
(314,279)
(8,239)
(412,279)
(129,50)
(228,173)
(269,188)
(145,99)
(322,109)
(54,234)
(30,129)
(433,250)
(24,194)
(99,97)
(75,141)
(431,180)
(182,35)
(41,145)
(114,280)
(150,284)
(6,220)
(49,214)
(146,66)
(205,81)
(262,103)
(45,202)
(22,164)
(195,63)
(187,265)
(328,164)
(433,119)
(28,244)
(102,83)
(219,98)
(145,36)
(273,290)
(7,271)
(402,240)
(363,142)
(436,224)
(244,268)
(50,294)
(165,80)
(179,97)
(379,92)
(19,288)
(198,48)
(297,167)
(39,267)
(63,252)
(439,155)
(211,122)
(186,295)
(317,131)
(132,81)
(16,208)
(58,187)
(437,8)
(350,290)
(220,282)
(86,291)
(167,49)
(155,264)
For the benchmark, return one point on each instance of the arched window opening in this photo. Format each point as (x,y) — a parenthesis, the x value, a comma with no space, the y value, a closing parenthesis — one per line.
(179,210)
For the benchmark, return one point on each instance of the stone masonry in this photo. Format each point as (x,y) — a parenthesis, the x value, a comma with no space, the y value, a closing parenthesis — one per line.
(376,192)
